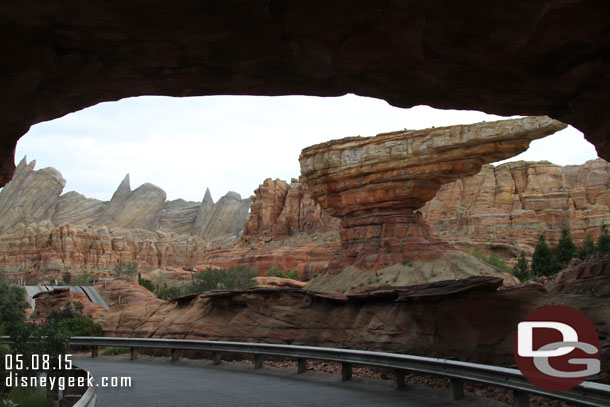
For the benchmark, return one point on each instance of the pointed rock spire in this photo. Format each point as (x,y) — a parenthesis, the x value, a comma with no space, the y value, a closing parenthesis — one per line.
(203,216)
(118,198)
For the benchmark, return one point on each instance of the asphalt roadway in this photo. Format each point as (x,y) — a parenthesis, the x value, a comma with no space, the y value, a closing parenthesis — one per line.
(159,382)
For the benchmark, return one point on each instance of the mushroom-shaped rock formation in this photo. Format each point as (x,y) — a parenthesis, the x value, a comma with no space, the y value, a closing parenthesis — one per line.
(376,184)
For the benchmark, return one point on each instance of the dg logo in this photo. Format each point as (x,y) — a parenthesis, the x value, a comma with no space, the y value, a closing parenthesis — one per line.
(557,348)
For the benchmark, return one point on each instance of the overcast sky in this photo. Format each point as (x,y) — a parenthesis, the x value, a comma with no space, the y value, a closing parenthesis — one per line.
(184,145)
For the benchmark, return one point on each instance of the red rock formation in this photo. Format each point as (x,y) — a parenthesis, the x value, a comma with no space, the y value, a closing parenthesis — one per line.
(503,209)
(279,210)
(546,57)
(375,184)
(307,259)
(45,248)
(275,282)
(590,277)
(420,320)
(125,294)
(466,319)
(55,299)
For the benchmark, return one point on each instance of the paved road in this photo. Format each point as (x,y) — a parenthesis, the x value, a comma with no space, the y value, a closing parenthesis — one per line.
(158,382)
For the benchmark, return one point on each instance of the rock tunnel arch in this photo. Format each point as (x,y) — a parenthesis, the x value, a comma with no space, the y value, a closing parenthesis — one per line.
(545,57)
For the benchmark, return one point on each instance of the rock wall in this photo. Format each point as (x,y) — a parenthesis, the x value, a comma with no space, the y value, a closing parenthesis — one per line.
(420,320)
(503,209)
(41,229)
(280,209)
(42,247)
(548,57)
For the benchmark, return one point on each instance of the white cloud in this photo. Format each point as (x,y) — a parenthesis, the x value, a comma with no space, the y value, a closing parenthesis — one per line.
(184,145)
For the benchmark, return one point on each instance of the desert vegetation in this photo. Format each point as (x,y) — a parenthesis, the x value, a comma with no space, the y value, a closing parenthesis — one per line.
(235,278)
(46,338)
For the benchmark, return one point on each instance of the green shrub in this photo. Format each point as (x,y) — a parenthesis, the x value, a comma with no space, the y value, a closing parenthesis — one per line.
(72,320)
(278,272)
(566,249)
(83,278)
(233,279)
(166,292)
(493,260)
(67,278)
(521,269)
(126,271)
(544,262)
(147,284)
(587,248)
(12,304)
(25,396)
(603,243)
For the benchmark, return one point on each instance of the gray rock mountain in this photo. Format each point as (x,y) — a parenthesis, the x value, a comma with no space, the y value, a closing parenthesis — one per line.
(31,196)
(36,195)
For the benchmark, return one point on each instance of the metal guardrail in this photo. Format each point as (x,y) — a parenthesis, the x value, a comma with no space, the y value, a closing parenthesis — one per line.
(586,394)
(89,398)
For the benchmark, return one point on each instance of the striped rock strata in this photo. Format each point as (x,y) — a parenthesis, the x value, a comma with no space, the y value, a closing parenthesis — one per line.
(376,184)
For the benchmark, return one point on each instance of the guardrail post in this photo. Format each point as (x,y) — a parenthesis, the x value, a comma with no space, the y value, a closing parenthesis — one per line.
(457,389)
(258,361)
(346,371)
(301,365)
(399,379)
(134,353)
(175,355)
(521,399)
(94,351)
(216,358)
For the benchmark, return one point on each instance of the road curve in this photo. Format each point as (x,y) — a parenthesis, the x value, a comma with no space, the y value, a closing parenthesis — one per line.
(158,382)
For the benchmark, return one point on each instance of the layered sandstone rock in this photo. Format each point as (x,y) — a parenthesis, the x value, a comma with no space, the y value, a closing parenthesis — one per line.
(43,247)
(55,299)
(280,209)
(495,56)
(307,258)
(504,209)
(31,196)
(469,320)
(376,184)
(42,230)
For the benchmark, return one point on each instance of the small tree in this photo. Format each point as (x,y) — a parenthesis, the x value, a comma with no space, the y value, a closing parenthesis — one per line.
(603,243)
(544,262)
(126,271)
(521,269)
(566,249)
(587,249)
(67,277)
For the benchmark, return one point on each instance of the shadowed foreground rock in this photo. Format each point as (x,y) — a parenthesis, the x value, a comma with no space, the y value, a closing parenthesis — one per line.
(528,58)
(469,319)
(376,184)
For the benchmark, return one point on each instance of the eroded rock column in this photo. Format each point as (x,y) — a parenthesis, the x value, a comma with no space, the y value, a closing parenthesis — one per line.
(376,184)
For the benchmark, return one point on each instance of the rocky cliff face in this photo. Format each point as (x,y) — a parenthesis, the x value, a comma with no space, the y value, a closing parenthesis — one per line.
(41,229)
(419,320)
(503,209)
(280,209)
